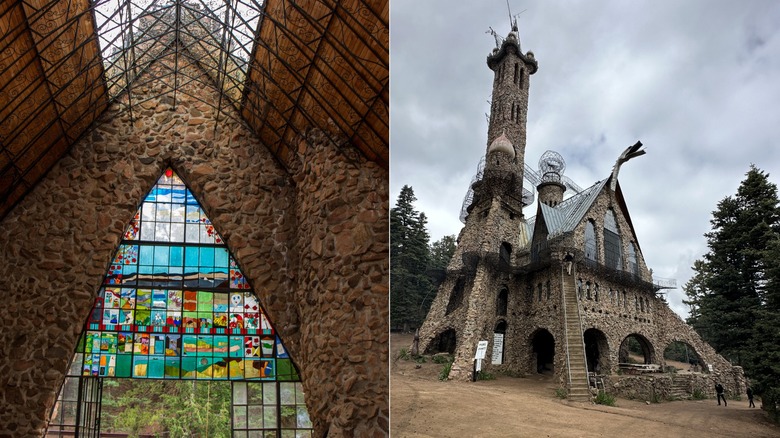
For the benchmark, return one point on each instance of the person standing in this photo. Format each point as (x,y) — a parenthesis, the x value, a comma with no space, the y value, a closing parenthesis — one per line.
(750,397)
(719,391)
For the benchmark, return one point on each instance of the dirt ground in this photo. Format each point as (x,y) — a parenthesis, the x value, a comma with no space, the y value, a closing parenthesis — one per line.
(422,406)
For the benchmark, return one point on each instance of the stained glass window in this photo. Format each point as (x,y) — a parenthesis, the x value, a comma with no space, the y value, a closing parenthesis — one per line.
(175,305)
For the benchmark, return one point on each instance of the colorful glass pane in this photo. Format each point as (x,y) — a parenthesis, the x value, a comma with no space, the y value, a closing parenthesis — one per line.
(175,304)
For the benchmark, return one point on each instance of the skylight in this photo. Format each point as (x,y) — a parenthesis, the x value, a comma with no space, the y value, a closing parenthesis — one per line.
(218,34)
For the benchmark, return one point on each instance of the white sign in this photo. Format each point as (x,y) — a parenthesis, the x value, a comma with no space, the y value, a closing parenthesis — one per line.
(709,365)
(481,350)
(498,348)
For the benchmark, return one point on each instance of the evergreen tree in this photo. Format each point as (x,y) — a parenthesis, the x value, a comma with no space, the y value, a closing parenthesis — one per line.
(733,274)
(763,364)
(442,251)
(695,289)
(409,259)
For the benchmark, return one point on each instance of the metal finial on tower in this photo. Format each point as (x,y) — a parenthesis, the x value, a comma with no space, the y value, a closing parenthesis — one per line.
(499,39)
(509,10)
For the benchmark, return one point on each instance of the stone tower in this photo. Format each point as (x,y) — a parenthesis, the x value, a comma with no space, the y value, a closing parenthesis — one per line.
(494,217)
(565,292)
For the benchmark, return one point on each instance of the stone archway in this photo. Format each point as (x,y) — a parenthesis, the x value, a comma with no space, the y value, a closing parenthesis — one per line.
(636,348)
(681,356)
(543,351)
(444,342)
(597,351)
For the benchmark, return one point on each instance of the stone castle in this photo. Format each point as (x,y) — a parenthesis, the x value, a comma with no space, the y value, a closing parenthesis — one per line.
(565,291)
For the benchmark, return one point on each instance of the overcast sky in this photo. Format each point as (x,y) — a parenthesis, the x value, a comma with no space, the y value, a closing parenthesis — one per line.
(698,82)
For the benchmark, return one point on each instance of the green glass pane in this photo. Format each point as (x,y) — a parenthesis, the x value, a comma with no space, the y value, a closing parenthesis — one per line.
(172,365)
(189,367)
(124,366)
(156,367)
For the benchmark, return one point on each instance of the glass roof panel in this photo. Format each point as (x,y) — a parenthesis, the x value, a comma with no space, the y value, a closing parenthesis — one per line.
(218,34)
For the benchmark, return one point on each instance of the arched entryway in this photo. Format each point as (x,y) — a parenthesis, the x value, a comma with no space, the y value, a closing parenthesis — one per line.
(683,357)
(444,342)
(596,351)
(543,348)
(636,348)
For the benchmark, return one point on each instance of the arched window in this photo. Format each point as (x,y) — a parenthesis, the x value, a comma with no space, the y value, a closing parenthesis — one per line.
(502,302)
(547,287)
(633,266)
(591,250)
(596,292)
(612,244)
(505,252)
(456,296)
(587,290)
(539,291)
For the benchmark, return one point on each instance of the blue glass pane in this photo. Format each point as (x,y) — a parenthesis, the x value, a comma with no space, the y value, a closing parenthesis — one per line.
(146,255)
(177,255)
(207,259)
(191,256)
(161,254)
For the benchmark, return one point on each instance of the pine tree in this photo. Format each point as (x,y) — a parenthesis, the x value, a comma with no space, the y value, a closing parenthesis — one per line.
(442,251)
(409,259)
(763,365)
(733,272)
(695,289)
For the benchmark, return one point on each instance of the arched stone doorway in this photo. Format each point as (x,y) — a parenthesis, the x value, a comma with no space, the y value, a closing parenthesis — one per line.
(444,342)
(683,357)
(636,348)
(543,348)
(596,351)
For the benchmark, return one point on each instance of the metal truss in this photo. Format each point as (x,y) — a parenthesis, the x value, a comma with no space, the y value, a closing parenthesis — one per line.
(283,66)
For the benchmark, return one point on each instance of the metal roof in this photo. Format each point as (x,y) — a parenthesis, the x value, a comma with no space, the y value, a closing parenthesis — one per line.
(565,216)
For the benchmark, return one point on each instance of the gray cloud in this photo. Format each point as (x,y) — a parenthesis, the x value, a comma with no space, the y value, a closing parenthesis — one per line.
(695,81)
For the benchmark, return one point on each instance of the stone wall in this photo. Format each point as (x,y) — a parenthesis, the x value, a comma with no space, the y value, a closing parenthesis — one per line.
(659,387)
(343,278)
(311,240)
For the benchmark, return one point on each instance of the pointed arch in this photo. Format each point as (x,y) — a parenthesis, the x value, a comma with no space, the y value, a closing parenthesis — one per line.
(591,247)
(175,304)
(613,246)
